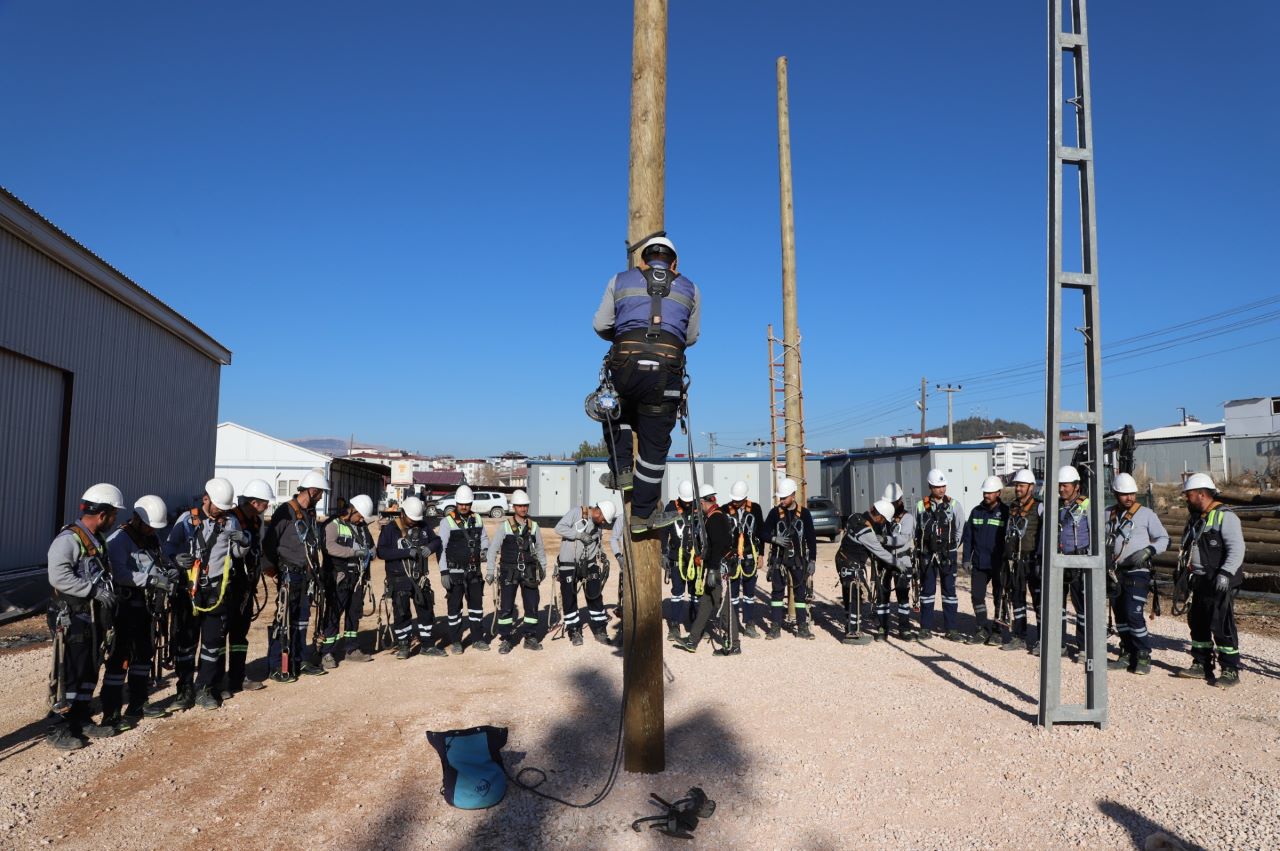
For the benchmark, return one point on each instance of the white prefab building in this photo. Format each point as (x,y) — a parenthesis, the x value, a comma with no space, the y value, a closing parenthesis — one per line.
(88,365)
(1252,417)
(857,479)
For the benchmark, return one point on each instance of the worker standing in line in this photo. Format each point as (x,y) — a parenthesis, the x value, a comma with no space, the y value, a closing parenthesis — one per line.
(405,547)
(79,616)
(582,560)
(793,547)
(681,545)
(1073,539)
(246,572)
(1135,536)
(983,542)
(517,560)
(939,524)
(1214,541)
(746,521)
(136,566)
(290,553)
(898,537)
(1022,548)
(464,542)
(650,314)
(348,551)
(709,579)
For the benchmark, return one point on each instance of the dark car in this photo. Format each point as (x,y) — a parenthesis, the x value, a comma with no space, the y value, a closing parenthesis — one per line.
(826,518)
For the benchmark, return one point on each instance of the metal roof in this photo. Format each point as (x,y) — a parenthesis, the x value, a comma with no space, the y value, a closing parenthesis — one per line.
(31,227)
(1175,431)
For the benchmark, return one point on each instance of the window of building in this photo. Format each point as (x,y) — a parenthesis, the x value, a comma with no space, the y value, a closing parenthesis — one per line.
(282,488)
(1275,406)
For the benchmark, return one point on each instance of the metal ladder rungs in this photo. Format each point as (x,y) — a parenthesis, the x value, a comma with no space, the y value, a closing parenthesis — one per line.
(1085,417)
(1075,713)
(1070,41)
(1078,280)
(1078,562)
(1074,155)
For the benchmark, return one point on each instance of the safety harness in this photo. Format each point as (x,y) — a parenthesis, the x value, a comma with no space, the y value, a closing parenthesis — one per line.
(743,522)
(202,550)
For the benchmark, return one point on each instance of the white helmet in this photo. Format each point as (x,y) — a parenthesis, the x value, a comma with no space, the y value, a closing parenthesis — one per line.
(1124,483)
(608,509)
(258,489)
(884,508)
(685,491)
(1199,481)
(314,479)
(519,498)
(1024,477)
(221,493)
(893,492)
(936,479)
(1068,474)
(362,503)
(656,241)
(705,490)
(739,491)
(413,508)
(464,496)
(152,511)
(104,494)
(786,488)
(992,484)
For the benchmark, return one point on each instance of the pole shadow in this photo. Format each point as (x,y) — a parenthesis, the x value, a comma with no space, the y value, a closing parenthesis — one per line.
(25,737)
(933,664)
(1141,829)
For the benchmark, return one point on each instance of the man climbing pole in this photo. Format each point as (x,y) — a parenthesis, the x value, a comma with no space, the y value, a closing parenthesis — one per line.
(650,314)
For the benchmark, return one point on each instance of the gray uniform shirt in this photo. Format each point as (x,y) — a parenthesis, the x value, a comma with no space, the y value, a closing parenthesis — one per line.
(182,539)
(131,565)
(1132,536)
(71,571)
(869,539)
(899,539)
(443,531)
(580,540)
(604,318)
(1232,539)
(538,549)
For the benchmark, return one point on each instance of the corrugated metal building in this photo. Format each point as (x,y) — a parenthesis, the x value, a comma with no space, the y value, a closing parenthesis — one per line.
(857,479)
(88,363)
(1164,454)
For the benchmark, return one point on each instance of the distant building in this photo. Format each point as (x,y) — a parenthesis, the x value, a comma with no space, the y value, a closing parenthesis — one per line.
(893,440)
(1252,417)
(1166,454)
(1008,455)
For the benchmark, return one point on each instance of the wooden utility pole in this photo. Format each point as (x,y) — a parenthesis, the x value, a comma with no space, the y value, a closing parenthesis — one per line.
(951,391)
(644,724)
(790,322)
(923,404)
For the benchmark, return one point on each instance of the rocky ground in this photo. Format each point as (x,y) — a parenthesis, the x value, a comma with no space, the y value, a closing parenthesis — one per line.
(802,744)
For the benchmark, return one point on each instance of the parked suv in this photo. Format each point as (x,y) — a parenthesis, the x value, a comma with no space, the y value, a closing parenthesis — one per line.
(826,519)
(486,502)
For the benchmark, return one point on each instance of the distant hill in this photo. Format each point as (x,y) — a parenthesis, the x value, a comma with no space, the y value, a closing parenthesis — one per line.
(336,446)
(971,428)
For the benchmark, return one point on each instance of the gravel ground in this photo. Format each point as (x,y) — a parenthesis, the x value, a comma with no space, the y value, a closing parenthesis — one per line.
(802,744)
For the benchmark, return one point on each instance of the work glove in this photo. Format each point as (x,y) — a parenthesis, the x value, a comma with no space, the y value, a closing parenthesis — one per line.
(239,537)
(1222,584)
(414,552)
(160,581)
(490,577)
(813,567)
(184,561)
(444,581)
(781,541)
(103,594)
(622,564)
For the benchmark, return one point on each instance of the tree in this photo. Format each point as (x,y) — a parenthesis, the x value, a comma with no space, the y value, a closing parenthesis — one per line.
(591,450)
(487,475)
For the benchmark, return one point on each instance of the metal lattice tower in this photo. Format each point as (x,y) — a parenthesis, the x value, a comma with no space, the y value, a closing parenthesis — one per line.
(1072,46)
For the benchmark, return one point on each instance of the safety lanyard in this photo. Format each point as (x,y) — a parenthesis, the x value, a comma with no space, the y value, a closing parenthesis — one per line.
(1121,528)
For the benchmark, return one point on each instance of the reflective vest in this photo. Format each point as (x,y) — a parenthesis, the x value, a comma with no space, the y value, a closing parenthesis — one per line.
(463,550)
(633,297)
(1022,535)
(937,529)
(742,525)
(517,545)
(1073,527)
(1205,534)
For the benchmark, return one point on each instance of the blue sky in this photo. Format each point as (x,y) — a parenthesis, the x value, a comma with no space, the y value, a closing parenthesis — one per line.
(424,201)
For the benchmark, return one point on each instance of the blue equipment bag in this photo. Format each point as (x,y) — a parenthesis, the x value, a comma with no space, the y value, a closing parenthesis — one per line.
(474,778)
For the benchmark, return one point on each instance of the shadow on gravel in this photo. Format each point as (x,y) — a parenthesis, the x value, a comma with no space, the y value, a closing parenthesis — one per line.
(580,747)
(1140,827)
(935,664)
(24,738)
(1261,667)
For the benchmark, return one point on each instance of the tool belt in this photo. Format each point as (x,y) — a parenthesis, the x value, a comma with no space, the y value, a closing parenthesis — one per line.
(528,574)
(634,345)
(72,605)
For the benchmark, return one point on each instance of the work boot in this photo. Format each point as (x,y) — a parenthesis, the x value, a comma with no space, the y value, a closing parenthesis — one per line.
(1015,643)
(531,643)
(575,638)
(120,723)
(673,632)
(154,710)
(856,638)
(225,694)
(803,631)
(1194,671)
(1142,666)
(908,634)
(357,655)
(993,638)
(328,662)
(311,669)
(431,650)
(685,645)
(206,699)
(979,637)
(924,634)
(1228,678)
(504,647)
(623,480)
(1121,662)
(183,700)
(774,632)
(279,677)
(96,731)
(402,651)
(253,685)
(750,630)
(955,635)
(62,737)
(657,520)
(456,648)
(880,633)
(480,644)
(736,650)
(600,635)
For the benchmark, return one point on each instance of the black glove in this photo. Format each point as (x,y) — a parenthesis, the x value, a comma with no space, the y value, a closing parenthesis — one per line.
(103,594)
(174,576)
(1222,584)
(414,552)
(160,581)
(781,541)
(813,567)
(239,537)
(184,561)
(444,581)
